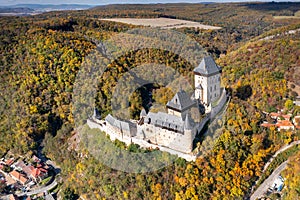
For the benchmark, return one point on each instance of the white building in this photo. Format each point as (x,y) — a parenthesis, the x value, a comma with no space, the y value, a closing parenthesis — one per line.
(207,81)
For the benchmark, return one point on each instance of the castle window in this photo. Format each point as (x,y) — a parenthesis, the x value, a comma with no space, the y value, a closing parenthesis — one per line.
(210,88)
(215,87)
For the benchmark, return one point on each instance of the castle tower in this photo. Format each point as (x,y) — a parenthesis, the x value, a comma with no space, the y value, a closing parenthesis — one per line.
(207,81)
(188,134)
(180,104)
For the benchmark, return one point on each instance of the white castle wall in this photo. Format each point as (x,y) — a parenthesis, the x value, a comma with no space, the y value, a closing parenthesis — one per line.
(136,140)
(211,88)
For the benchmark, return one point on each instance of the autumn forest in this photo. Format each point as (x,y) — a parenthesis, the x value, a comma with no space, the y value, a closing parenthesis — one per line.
(42,54)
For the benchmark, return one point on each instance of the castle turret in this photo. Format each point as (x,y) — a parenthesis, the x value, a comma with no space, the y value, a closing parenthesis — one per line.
(187,123)
(188,135)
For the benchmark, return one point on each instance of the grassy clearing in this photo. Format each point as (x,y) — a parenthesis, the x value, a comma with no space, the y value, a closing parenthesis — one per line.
(45,181)
(166,23)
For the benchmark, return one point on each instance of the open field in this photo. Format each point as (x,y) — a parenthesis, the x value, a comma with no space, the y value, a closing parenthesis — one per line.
(286,17)
(166,23)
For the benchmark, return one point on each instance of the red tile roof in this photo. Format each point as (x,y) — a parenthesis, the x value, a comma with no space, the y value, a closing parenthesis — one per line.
(36,172)
(284,123)
(9,161)
(267,125)
(276,115)
(19,177)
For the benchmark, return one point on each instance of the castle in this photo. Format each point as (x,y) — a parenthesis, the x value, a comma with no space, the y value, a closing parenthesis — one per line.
(174,129)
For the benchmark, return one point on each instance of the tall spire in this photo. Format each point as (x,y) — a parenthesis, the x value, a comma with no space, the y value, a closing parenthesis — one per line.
(187,124)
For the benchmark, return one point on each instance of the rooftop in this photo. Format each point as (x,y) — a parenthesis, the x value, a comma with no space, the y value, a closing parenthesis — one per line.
(122,125)
(181,101)
(168,121)
(19,176)
(207,67)
(284,123)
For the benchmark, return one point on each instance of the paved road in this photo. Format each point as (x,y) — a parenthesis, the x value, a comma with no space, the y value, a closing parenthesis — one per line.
(282,149)
(268,182)
(48,196)
(39,190)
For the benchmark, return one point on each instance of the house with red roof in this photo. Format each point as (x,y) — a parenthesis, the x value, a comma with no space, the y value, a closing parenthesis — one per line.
(18,177)
(279,116)
(38,173)
(9,162)
(281,121)
(285,125)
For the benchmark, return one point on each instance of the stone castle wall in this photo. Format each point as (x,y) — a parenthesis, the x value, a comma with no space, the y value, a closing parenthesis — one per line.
(220,104)
(156,135)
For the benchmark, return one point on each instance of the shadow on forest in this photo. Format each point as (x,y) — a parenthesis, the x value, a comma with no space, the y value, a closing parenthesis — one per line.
(244,92)
(274,6)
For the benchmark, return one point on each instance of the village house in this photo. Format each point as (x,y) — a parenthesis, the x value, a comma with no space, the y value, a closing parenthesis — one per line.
(38,173)
(35,173)
(9,162)
(282,121)
(279,116)
(18,177)
(285,125)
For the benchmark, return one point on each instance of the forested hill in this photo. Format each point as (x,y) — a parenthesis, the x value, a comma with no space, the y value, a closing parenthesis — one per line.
(265,65)
(41,55)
